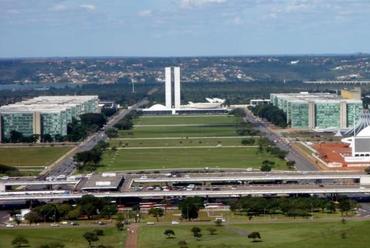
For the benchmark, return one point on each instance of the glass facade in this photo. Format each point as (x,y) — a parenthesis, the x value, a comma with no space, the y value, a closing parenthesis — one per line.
(327,115)
(299,115)
(325,112)
(21,122)
(354,111)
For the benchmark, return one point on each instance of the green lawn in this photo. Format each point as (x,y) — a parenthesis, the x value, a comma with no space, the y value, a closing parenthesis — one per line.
(172,146)
(186,158)
(191,119)
(176,142)
(287,235)
(70,237)
(180,131)
(31,156)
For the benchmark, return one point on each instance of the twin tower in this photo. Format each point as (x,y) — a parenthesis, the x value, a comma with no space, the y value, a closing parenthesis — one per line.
(172,85)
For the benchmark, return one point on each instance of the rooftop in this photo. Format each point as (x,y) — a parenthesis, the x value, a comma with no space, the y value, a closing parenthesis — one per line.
(46,104)
(314,97)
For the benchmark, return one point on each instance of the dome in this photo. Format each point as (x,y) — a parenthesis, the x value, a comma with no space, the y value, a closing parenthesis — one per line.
(158,107)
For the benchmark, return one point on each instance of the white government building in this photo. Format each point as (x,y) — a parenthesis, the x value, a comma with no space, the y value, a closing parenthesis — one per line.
(173,99)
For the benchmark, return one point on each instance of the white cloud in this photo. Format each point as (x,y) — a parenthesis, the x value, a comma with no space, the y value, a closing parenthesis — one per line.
(146,12)
(58,7)
(89,7)
(198,3)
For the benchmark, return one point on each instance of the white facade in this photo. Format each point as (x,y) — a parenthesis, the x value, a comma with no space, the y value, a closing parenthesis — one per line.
(168,87)
(177,87)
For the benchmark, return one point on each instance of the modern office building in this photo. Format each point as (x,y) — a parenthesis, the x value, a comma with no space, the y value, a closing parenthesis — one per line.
(45,114)
(320,111)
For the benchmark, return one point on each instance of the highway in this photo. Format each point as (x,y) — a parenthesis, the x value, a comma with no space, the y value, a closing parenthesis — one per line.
(302,164)
(65,165)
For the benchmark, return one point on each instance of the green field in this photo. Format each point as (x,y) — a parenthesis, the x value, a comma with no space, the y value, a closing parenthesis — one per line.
(186,158)
(70,237)
(183,142)
(284,235)
(191,119)
(180,131)
(235,141)
(31,156)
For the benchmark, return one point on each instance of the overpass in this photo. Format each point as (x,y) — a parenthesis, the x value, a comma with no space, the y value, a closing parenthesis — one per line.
(255,177)
(9,183)
(253,191)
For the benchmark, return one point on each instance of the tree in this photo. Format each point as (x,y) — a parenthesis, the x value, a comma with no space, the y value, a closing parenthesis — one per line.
(99,232)
(20,241)
(345,205)
(33,217)
(212,230)
(90,237)
(249,141)
(112,132)
(218,222)
(156,212)
(9,170)
(267,165)
(197,232)
(255,236)
(367,170)
(290,164)
(190,207)
(169,233)
(47,138)
(108,210)
(16,137)
(92,120)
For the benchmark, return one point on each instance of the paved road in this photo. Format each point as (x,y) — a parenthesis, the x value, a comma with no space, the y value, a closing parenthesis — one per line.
(65,166)
(302,163)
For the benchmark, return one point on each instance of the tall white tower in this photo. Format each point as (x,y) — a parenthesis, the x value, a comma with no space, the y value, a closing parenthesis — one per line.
(177,87)
(168,87)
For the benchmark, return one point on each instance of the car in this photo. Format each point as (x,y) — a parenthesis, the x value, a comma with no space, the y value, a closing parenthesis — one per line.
(54,225)
(73,223)
(9,225)
(174,222)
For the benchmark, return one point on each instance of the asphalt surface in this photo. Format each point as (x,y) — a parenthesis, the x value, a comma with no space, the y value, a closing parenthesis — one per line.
(66,166)
(301,163)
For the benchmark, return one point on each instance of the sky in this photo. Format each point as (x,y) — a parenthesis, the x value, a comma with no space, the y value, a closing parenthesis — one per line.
(48,28)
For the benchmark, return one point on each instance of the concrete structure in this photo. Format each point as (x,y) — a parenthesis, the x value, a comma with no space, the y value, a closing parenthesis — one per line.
(173,99)
(45,114)
(172,87)
(320,111)
(177,89)
(168,87)
(360,148)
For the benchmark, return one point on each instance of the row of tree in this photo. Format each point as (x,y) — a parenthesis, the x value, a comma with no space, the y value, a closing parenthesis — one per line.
(127,122)
(90,160)
(271,113)
(88,207)
(298,206)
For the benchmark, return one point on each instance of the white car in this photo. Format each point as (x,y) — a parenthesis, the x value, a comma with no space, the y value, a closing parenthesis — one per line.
(9,225)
